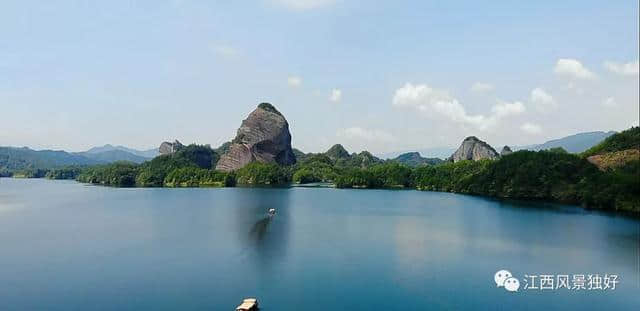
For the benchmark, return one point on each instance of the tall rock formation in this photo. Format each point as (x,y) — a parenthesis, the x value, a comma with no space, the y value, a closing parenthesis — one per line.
(505,151)
(474,149)
(264,137)
(169,148)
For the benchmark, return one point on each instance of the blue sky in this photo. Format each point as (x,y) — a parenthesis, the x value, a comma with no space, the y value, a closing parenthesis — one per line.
(375,75)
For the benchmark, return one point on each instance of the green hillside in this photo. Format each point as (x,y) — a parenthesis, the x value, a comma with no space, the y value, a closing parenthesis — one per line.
(15,159)
(628,139)
(414,159)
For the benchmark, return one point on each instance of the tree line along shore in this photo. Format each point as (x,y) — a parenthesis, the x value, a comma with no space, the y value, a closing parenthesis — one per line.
(606,177)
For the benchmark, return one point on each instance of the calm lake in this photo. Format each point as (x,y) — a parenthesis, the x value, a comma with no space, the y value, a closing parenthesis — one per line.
(69,246)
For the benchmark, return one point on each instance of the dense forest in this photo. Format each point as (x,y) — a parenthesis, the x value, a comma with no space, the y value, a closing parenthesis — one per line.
(629,139)
(552,175)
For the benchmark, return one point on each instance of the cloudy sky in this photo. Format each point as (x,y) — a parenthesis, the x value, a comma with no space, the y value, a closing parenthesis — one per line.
(376,75)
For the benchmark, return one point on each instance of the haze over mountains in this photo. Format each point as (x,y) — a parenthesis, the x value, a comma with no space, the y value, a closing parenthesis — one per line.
(16,158)
(113,156)
(573,143)
(149,153)
(13,158)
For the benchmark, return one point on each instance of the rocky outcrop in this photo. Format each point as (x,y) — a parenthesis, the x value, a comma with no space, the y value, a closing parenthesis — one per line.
(363,159)
(224,148)
(613,160)
(337,152)
(169,148)
(264,137)
(505,151)
(474,149)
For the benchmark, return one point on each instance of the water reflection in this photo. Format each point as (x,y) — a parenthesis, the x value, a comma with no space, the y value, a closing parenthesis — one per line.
(259,229)
(203,249)
(265,237)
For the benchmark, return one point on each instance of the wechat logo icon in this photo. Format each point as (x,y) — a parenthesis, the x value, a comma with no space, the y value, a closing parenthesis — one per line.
(504,278)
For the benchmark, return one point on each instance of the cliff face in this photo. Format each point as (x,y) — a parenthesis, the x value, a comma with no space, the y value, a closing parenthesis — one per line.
(264,137)
(474,149)
(169,148)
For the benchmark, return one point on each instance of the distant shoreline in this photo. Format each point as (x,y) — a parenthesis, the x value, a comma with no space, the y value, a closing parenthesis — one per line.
(547,203)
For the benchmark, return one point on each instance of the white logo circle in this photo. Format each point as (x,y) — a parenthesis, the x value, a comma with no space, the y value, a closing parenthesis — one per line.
(512,284)
(501,276)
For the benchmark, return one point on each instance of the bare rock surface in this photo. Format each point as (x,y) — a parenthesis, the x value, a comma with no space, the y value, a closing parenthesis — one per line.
(264,137)
(169,148)
(474,149)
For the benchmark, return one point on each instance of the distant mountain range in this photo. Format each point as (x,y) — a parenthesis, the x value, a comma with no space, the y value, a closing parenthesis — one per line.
(150,153)
(12,158)
(574,143)
(24,158)
(436,152)
(113,156)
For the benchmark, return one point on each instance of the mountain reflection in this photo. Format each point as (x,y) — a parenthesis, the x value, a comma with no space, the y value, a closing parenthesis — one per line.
(265,238)
(259,229)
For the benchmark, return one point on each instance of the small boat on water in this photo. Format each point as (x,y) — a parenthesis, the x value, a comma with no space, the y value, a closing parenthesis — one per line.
(248,304)
(272,211)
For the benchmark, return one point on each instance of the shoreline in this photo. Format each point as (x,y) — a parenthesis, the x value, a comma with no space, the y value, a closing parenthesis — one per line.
(325,185)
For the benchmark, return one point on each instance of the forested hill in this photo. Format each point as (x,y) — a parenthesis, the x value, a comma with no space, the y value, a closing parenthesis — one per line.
(24,158)
(629,139)
(14,159)
(550,175)
(115,155)
(605,177)
(414,159)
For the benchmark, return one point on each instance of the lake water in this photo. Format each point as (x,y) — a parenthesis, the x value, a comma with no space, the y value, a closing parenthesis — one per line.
(69,246)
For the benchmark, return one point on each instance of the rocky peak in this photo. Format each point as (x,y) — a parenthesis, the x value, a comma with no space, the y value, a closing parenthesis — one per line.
(364,159)
(337,152)
(505,151)
(169,148)
(270,108)
(474,149)
(264,137)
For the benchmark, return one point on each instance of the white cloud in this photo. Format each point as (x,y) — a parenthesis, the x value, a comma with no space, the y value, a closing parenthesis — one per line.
(575,88)
(542,100)
(224,50)
(573,68)
(336,95)
(504,109)
(531,128)
(628,69)
(428,100)
(480,87)
(609,102)
(304,4)
(359,133)
(294,81)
